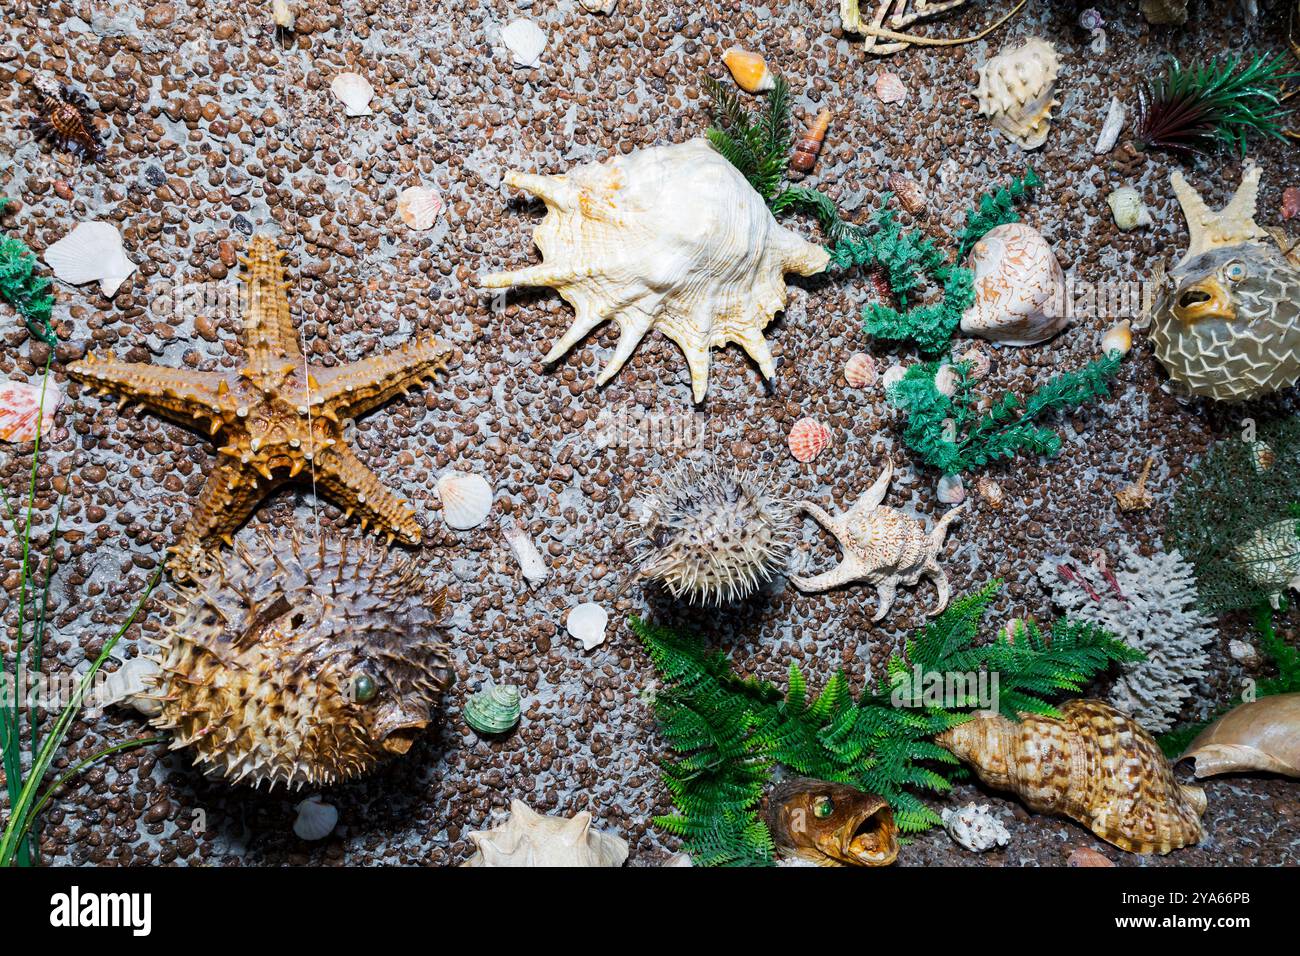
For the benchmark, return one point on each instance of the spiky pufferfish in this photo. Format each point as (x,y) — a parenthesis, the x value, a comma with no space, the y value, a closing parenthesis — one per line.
(1229,327)
(301,663)
(831,824)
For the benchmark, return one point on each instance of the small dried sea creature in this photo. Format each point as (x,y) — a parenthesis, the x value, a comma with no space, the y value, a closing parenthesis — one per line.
(530,839)
(882,546)
(885,31)
(808,438)
(1093,764)
(1017,91)
(831,824)
(91,252)
(1134,496)
(65,120)
(1261,735)
(974,827)
(749,70)
(808,145)
(493,710)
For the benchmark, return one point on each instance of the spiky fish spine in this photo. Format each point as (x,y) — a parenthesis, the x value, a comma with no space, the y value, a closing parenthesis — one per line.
(301,663)
(711,535)
(65,120)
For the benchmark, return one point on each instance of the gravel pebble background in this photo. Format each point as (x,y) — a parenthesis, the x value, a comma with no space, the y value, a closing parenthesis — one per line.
(217,128)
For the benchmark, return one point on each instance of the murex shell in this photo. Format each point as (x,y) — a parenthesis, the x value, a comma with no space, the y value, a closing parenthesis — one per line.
(1261,735)
(670,238)
(1095,765)
(301,662)
(1019,288)
(530,839)
(1228,328)
(1016,91)
(493,710)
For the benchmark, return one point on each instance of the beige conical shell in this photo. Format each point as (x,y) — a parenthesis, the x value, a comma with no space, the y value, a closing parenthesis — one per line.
(1262,735)
(670,238)
(528,838)
(1094,765)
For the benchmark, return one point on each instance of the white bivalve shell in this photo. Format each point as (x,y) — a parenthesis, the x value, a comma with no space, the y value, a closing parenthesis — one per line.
(354,92)
(587,624)
(316,819)
(419,207)
(530,839)
(92,252)
(525,41)
(670,238)
(466,499)
(1019,288)
(1016,92)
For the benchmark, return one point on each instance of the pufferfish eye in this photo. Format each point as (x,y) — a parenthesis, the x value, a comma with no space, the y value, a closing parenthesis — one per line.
(823,807)
(364,688)
(1236,271)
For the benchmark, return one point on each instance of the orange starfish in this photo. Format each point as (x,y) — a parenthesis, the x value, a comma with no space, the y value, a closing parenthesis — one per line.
(275,416)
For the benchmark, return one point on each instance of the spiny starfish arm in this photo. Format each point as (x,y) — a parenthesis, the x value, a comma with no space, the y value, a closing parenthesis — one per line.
(227,500)
(341,476)
(270,340)
(184,395)
(352,390)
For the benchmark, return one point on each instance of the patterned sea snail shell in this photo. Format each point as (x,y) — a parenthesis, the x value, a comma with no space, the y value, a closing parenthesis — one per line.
(494,710)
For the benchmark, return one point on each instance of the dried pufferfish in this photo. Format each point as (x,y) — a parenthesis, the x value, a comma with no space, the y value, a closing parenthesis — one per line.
(1229,329)
(301,664)
(1095,765)
(671,238)
(831,824)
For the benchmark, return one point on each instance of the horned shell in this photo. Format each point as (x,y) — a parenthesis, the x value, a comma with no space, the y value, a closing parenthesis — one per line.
(670,238)
(92,252)
(749,70)
(27,411)
(808,439)
(529,839)
(1016,91)
(1094,765)
(1261,735)
(1019,288)
(860,370)
(494,710)
(466,499)
(355,93)
(419,207)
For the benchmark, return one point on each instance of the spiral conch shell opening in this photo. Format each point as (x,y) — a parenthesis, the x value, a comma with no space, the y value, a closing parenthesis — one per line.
(671,238)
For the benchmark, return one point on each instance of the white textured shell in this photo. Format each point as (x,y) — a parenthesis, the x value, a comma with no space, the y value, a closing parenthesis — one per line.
(316,819)
(531,563)
(671,238)
(419,207)
(1128,208)
(1019,288)
(1016,91)
(1116,114)
(975,828)
(587,623)
(134,684)
(25,411)
(530,839)
(92,252)
(354,92)
(525,41)
(466,499)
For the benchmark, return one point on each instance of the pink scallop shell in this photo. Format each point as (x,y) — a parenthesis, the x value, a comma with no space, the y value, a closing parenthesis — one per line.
(20,407)
(808,438)
(860,370)
(890,88)
(419,207)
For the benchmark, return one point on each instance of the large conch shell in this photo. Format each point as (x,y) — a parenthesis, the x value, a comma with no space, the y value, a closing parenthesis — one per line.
(1094,765)
(1261,735)
(530,839)
(1228,328)
(1019,287)
(1016,91)
(671,238)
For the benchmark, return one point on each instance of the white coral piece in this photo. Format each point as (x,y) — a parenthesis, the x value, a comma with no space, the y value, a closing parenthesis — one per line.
(670,238)
(1157,615)
(975,828)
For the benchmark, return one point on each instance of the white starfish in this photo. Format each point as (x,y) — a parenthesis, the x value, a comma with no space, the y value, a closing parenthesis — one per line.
(882,546)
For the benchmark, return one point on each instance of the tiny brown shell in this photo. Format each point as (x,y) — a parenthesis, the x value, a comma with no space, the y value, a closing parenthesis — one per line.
(909,193)
(1261,735)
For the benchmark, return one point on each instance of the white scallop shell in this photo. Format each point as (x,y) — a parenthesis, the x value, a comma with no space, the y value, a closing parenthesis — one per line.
(587,623)
(671,238)
(354,92)
(25,411)
(1015,90)
(951,491)
(92,252)
(316,819)
(1019,288)
(419,207)
(525,41)
(466,499)
(530,559)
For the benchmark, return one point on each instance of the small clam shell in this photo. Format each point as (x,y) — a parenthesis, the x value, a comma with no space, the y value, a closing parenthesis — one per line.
(909,193)
(354,92)
(990,491)
(1290,202)
(493,710)
(316,819)
(945,380)
(525,41)
(893,375)
(419,207)
(890,88)
(749,70)
(808,439)
(1086,856)
(951,490)
(24,412)
(587,623)
(92,252)
(860,370)
(466,499)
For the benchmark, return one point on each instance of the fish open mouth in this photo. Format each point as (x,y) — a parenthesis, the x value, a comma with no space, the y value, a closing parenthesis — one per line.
(1207,299)
(873,841)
